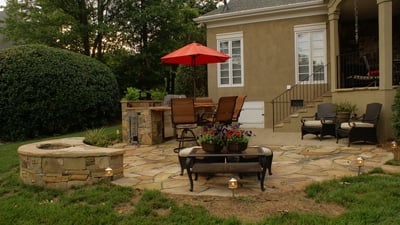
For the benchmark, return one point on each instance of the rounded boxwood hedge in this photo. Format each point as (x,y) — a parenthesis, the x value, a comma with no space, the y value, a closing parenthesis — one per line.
(47,91)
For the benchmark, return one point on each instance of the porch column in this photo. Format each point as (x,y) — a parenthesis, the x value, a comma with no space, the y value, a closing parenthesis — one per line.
(333,46)
(385,43)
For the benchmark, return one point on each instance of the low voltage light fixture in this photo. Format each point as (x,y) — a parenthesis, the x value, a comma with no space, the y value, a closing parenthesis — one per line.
(233,184)
(109,172)
(394,145)
(360,163)
(396,150)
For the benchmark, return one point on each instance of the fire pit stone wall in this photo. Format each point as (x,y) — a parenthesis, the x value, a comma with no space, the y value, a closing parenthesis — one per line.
(68,162)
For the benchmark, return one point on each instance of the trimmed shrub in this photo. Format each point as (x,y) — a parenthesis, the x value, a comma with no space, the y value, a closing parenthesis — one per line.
(46,91)
(396,115)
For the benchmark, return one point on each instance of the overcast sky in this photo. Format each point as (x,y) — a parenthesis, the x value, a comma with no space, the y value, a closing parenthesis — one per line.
(3,2)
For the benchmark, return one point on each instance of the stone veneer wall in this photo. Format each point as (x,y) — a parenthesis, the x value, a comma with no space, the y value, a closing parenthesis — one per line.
(149,121)
(77,165)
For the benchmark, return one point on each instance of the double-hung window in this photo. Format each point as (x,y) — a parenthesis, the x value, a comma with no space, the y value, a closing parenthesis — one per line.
(310,50)
(230,73)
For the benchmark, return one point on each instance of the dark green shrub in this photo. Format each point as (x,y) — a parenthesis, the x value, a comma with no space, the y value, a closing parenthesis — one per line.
(396,115)
(46,91)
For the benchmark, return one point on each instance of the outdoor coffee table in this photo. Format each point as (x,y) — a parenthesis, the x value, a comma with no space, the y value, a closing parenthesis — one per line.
(252,160)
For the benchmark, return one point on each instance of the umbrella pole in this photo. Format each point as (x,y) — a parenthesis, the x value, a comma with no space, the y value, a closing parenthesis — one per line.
(194,74)
(194,87)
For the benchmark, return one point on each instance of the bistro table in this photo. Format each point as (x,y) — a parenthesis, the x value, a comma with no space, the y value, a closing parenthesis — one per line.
(252,160)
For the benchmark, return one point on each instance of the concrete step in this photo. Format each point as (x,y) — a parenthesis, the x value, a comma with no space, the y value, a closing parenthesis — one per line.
(293,122)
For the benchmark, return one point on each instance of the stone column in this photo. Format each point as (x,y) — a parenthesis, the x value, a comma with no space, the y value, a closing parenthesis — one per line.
(385,44)
(333,46)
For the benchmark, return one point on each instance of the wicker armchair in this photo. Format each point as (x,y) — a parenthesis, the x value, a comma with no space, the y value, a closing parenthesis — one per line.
(362,129)
(322,123)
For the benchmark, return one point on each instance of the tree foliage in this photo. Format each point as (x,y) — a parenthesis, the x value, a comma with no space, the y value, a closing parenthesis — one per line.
(129,35)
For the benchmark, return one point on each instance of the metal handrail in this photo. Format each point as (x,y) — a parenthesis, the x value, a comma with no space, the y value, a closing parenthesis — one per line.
(297,97)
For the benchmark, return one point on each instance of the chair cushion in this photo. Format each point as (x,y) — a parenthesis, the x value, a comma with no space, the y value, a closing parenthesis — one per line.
(348,125)
(312,123)
(184,152)
(373,73)
(267,151)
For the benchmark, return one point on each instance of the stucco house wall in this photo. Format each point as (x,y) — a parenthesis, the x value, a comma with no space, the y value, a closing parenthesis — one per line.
(268,58)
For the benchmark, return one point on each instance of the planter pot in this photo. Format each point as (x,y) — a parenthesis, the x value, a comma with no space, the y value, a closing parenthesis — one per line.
(236,147)
(211,148)
(342,117)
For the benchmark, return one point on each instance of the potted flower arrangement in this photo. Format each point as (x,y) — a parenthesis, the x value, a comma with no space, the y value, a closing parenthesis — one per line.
(237,139)
(216,137)
(212,140)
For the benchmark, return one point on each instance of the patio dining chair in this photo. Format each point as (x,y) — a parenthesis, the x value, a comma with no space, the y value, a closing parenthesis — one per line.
(238,107)
(322,123)
(184,121)
(224,112)
(361,129)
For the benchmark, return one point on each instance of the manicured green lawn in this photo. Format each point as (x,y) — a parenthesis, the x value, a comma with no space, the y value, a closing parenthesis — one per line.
(370,199)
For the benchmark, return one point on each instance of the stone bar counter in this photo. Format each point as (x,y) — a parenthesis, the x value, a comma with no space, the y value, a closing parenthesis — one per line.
(145,122)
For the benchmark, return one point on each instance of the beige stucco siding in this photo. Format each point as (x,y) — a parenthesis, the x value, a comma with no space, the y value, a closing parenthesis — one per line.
(268,57)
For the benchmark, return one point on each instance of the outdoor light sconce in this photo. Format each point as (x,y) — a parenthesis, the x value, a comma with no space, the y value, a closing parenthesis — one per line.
(395,149)
(233,184)
(360,163)
(109,172)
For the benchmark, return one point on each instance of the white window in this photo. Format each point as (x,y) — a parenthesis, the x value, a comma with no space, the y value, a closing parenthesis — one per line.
(310,58)
(230,73)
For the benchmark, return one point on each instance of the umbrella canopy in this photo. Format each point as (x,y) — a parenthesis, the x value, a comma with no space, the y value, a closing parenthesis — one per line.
(194,54)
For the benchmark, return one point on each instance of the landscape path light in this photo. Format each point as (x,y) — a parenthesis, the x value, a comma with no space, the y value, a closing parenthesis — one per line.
(395,149)
(360,163)
(233,184)
(109,172)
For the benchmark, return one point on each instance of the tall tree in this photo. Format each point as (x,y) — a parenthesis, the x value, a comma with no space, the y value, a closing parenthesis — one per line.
(146,29)
(77,25)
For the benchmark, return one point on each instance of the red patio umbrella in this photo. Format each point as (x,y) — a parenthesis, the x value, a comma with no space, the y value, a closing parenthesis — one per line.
(194,54)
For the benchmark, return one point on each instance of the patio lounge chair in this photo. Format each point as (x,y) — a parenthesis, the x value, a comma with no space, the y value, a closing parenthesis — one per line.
(322,123)
(183,119)
(362,129)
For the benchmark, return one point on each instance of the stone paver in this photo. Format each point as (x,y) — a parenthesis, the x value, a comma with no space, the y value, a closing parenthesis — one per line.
(296,164)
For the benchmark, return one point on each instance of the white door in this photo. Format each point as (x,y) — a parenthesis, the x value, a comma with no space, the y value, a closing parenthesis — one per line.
(252,115)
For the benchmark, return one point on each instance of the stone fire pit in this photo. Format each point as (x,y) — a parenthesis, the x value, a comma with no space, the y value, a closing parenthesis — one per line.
(63,163)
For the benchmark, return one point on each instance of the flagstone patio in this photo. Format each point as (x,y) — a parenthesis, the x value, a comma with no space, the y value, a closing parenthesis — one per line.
(296,163)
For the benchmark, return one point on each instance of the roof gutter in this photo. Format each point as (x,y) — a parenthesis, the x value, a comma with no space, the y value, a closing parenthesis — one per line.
(317,4)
